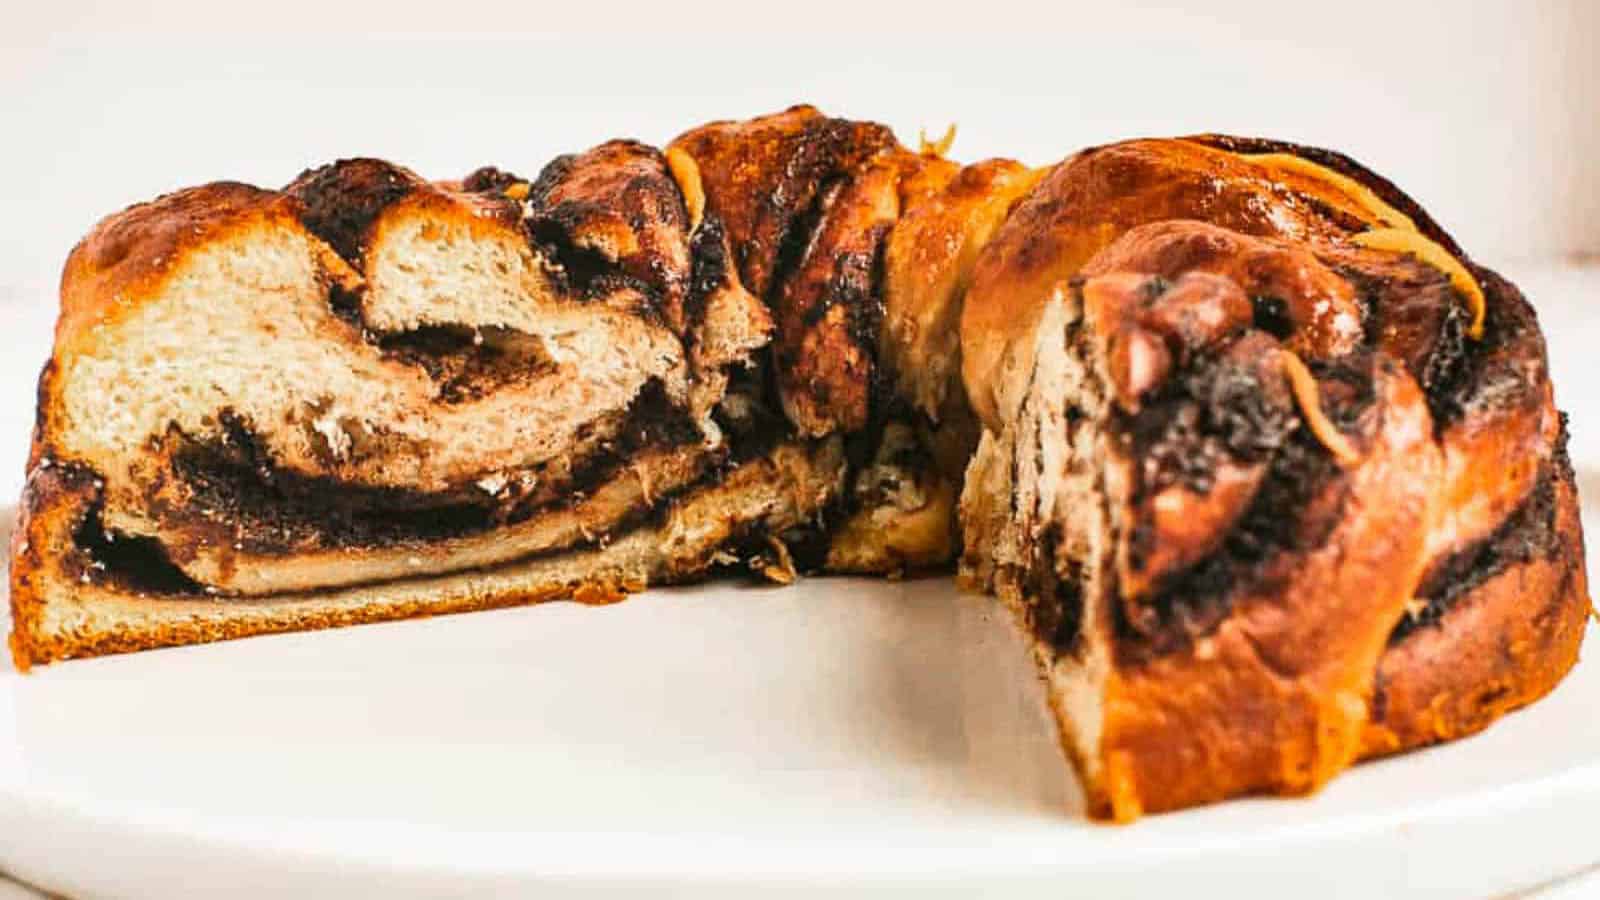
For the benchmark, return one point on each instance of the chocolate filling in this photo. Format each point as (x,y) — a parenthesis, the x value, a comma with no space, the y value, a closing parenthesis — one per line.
(1191,602)
(1210,411)
(143,565)
(708,273)
(340,201)
(859,283)
(798,171)
(1289,512)
(138,565)
(749,412)
(1418,317)
(490,180)
(1529,533)
(580,271)
(1271,314)
(1504,369)
(235,482)
(619,185)
(799,230)
(1425,323)
(1055,598)
(470,363)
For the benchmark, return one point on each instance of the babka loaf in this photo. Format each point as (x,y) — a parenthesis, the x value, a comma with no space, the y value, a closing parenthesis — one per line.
(1268,470)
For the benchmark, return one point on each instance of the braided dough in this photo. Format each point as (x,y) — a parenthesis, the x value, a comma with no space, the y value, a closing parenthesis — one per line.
(1268,470)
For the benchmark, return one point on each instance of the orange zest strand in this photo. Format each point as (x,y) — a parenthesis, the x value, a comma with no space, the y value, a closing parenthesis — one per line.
(1396,240)
(940,147)
(1362,195)
(687,174)
(1309,398)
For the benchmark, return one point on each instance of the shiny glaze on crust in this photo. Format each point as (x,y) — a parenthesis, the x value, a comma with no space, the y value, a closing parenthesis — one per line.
(764,176)
(611,215)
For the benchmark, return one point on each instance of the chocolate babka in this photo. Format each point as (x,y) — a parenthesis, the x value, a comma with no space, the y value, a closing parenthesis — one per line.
(1268,470)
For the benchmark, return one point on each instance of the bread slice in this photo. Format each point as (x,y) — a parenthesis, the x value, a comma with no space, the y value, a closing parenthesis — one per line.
(368,395)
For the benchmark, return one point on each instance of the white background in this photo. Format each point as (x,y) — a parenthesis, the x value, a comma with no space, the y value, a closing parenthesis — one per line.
(1488,113)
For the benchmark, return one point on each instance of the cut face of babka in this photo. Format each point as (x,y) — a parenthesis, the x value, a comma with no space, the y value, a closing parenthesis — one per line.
(444,398)
(1268,471)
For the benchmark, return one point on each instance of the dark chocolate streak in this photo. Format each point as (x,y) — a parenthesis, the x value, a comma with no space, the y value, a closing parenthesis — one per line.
(1426,324)
(143,565)
(808,165)
(1055,601)
(1213,408)
(1505,369)
(137,564)
(1271,314)
(470,363)
(340,201)
(1529,533)
(490,180)
(285,511)
(758,425)
(618,185)
(861,288)
(799,230)
(580,271)
(708,272)
(1191,602)
(1280,517)
(550,177)
(859,284)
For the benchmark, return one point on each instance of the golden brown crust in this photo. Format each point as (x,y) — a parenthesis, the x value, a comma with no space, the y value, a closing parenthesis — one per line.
(827,310)
(125,255)
(1500,646)
(1321,313)
(1089,201)
(950,215)
(1385,190)
(763,176)
(1094,198)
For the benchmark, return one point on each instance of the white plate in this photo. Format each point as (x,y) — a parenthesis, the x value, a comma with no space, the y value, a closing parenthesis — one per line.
(876,737)
(870,738)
